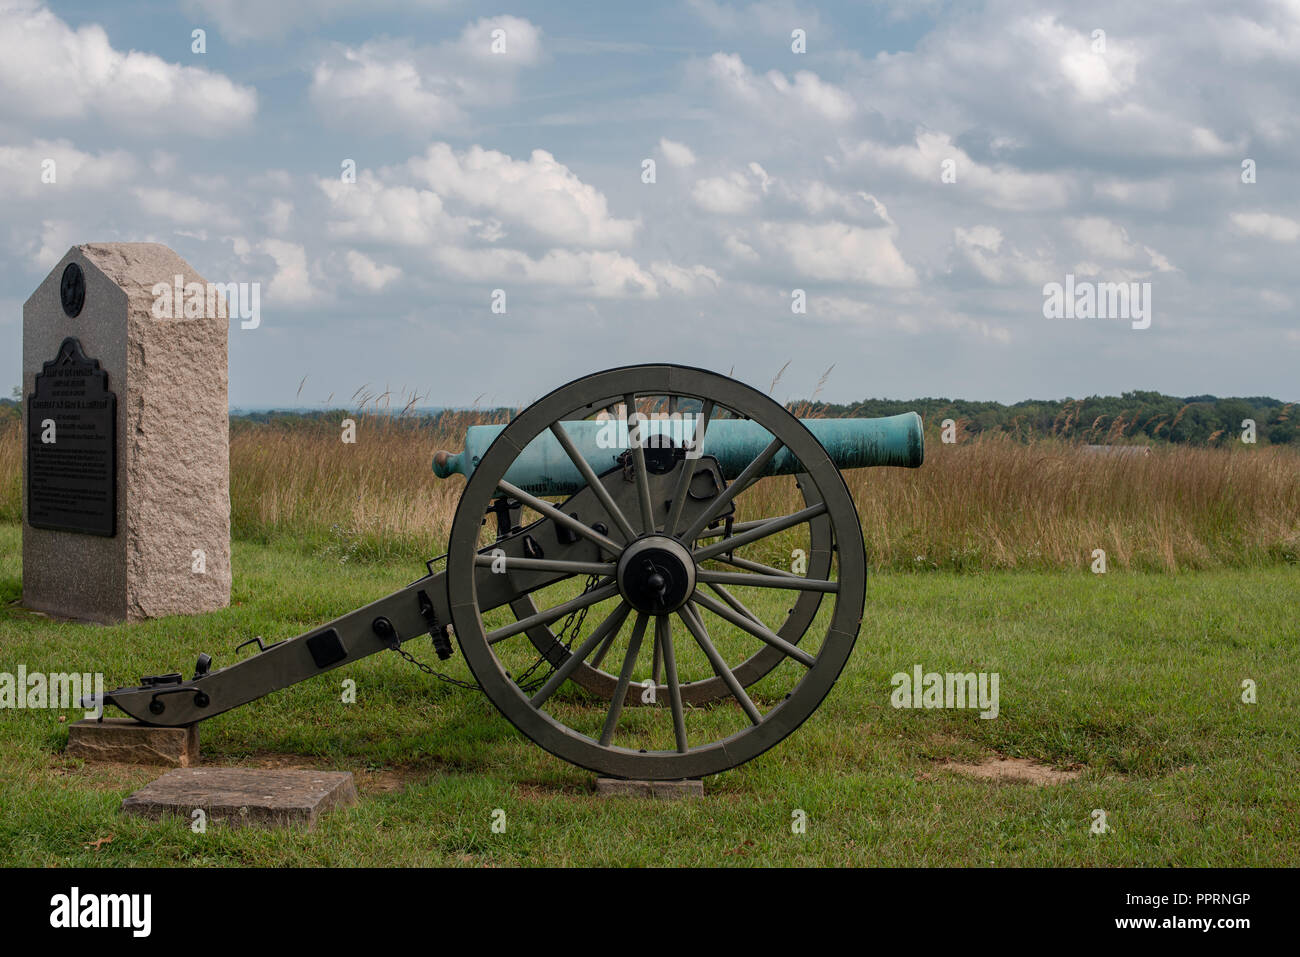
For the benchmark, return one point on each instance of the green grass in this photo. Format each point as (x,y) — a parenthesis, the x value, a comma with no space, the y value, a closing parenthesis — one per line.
(1133,679)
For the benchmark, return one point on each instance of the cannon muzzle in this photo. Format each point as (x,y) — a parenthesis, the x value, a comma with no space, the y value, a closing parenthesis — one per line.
(543,468)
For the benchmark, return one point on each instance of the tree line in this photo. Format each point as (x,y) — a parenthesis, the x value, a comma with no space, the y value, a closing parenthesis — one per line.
(1141,417)
(1133,417)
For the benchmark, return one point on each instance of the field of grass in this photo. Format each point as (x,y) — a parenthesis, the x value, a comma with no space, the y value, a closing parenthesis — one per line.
(982,505)
(1133,679)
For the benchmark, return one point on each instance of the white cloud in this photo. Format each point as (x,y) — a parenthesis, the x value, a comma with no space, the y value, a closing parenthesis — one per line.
(366,272)
(392,215)
(459,206)
(775,18)
(860,313)
(1091,75)
(1101,237)
(727,195)
(984,249)
(600,273)
(1008,70)
(1253,40)
(841,252)
(22,167)
(827,248)
(162,163)
(395,86)
(245,20)
(776,97)
(760,176)
(280,216)
(519,41)
(735,244)
(818,198)
(811,92)
(182,208)
(291,283)
(379,86)
(1280,229)
(1149,193)
(57,236)
(688,282)
(1275,300)
(50,72)
(540,193)
(983,238)
(1109,241)
(740,191)
(676,154)
(1001,186)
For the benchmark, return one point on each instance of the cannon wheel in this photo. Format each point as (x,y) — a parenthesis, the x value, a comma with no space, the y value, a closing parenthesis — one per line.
(671,741)
(749,671)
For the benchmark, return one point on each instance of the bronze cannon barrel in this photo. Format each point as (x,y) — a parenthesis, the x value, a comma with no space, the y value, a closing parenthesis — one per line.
(544,468)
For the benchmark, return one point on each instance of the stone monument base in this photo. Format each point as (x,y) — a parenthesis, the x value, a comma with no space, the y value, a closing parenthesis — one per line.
(126,489)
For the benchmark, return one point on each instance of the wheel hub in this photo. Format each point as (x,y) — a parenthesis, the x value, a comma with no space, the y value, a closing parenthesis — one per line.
(656,575)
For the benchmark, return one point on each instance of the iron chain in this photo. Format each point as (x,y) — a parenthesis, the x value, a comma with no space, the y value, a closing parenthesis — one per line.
(566,636)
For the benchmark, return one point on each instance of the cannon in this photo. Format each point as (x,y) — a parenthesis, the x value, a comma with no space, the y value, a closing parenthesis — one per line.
(705,650)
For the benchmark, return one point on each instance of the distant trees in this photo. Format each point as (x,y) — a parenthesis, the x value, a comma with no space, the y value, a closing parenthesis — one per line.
(1137,416)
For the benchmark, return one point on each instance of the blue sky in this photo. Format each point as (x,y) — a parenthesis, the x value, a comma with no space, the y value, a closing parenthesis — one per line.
(774,171)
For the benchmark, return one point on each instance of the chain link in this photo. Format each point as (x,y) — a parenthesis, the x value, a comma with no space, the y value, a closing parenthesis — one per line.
(573,623)
(571,628)
(458,682)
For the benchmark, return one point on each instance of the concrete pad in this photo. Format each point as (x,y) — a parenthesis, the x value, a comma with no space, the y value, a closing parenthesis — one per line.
(240,797)
(127,741)
(667,790)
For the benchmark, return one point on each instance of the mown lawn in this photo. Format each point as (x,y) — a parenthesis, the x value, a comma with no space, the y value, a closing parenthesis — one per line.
(1132,679)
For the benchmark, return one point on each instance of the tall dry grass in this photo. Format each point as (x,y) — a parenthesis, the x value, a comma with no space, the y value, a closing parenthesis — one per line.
(11,464)
(997,503)
(374,498)
(990,503)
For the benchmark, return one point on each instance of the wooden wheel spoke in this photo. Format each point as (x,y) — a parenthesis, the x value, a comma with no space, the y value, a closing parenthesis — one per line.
(755,628)
(551,614)
(657,660)
(555,515)
(754,566)
(486,559)
(637,450)
(746,478)
(602,651)
(688,471)
(736,529)
(766,581)
(696,627)
(609,627)
(624,678)
(770,527)
(664,635)
(734,602)
(593,481)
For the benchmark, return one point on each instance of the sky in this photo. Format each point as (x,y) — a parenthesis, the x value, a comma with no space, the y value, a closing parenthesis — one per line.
(915,176)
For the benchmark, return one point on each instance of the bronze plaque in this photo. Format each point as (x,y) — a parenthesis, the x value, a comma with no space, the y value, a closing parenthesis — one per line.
(72,446)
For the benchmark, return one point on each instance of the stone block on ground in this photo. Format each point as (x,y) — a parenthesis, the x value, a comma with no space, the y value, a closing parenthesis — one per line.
(669,790)
(242,797)
(127,741)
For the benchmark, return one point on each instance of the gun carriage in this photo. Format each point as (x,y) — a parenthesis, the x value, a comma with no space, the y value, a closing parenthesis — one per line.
(633,499)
